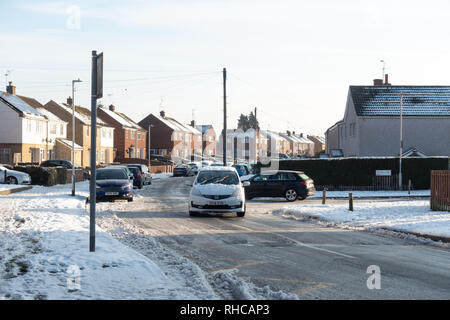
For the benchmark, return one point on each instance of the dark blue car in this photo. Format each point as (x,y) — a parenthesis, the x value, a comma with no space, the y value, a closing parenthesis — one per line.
(113,184)
(241,169)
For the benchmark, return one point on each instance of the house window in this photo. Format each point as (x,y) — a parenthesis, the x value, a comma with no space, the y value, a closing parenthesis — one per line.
(61,129)
(87,131)
(139,135)
(126,134)
(29,125)
(110,133)
(132,134)
(53,128)
(103,156)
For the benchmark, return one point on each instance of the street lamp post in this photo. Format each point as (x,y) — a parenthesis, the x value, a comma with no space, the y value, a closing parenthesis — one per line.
(400,178)
(73,135)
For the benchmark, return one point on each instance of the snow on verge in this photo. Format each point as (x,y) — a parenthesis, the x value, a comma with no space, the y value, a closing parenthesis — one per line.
(404,216)
(44,253)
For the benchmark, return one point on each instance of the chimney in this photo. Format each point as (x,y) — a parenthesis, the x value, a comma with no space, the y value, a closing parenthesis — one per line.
(193,123)
(162,114)
(112,108)
(11,89)
(386,80)
(301,135)
(288,132)
(69,101)
(293,133)
(377,82)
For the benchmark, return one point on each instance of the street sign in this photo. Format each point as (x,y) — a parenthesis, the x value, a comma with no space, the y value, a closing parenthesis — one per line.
(99,93)
(385,173)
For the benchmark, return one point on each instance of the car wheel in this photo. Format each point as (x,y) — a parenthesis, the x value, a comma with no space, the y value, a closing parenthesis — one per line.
(11,180)
(301,198)
(130,200)
(291,195)
(248,197)
(192,214)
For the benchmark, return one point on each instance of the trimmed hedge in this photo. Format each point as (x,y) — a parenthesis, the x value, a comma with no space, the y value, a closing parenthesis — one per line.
(360,171)
(44,176)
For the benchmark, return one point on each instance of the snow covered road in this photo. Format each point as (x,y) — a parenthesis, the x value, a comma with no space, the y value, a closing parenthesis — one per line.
(265,256)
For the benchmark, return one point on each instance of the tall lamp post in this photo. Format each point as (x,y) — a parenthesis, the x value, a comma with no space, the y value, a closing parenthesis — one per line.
(401,144)
(149,146)
(73,135)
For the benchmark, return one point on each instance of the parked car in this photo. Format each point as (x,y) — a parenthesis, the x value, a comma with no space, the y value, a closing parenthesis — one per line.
(241,169)
(194,167)
(138,180)
(291,185)
(217,190)
(58,163)
(13,176)
(182,170)
(145,173)
(125,168)
(113,184)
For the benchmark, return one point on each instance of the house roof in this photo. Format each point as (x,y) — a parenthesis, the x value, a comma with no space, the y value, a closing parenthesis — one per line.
(19,104)
(49,115)
(173,124)
(68,143)
(122,119)
(413,152)
(385,100)
(82,114)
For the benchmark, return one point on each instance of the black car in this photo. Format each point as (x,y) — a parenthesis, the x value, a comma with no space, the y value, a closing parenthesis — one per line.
(113,184)
(183,170)
(291,185)
(138,180)
(58,163)
(145,173)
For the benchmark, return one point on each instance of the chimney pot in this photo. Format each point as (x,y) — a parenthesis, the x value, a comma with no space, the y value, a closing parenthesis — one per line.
(11,89)
(112,108)
(378,82)
(69,101)
(162,114)
(193,123)
(386,80)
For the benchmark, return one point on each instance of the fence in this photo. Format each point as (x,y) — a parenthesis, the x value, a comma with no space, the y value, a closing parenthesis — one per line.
(440,190)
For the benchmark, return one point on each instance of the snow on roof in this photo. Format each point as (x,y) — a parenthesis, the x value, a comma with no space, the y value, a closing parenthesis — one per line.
(273,135)
(121,118)
(303,139)
(49,115)
(68,143)
(172,123)
(385,100)
(203,127)
(82,114)
(19,104)
(193,130)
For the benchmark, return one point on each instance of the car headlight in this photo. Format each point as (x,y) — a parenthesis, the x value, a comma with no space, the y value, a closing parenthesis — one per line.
(196,192)
(236,193)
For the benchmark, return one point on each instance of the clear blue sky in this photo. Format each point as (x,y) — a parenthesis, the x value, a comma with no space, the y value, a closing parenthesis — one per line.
(294,60)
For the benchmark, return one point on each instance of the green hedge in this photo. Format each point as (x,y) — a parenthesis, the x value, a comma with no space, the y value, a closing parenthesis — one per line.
(44,176)
(360,171)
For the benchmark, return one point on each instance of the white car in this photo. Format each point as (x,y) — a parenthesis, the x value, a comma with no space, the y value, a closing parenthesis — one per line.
(13,177)
(217,190)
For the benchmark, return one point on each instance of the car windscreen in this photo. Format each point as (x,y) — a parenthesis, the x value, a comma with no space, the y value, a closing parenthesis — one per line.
(217,177)
(134,170)
(113,174)
(181,166)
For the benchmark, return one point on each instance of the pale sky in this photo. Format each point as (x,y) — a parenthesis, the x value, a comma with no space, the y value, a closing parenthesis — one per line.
(293,60)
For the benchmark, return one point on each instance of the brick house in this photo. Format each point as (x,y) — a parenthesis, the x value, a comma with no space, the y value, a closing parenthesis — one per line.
(130,139)
(168,137)
(105,133)
(209,143)
(23,130)
(319,144)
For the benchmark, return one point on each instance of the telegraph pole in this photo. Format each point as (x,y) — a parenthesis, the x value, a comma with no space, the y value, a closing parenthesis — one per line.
(73,136)
(224,134)
(401,144)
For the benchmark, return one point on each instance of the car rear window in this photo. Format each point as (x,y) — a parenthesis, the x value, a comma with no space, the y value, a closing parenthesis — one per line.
(303,176)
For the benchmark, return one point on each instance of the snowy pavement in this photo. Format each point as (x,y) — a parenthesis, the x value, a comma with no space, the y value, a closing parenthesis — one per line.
(406,216)
(5,187)
(44,253)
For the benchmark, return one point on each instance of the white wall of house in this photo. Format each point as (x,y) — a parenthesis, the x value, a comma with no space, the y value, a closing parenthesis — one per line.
(34,130)
(107,137)
(10,125)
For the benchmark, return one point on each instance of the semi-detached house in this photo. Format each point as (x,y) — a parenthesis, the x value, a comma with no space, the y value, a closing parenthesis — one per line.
(105,133)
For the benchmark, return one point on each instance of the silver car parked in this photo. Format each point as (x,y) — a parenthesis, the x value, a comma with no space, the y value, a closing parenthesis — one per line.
(13,176)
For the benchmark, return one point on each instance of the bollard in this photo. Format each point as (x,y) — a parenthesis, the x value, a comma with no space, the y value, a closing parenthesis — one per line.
(324,196)
(350,201)
(409,187)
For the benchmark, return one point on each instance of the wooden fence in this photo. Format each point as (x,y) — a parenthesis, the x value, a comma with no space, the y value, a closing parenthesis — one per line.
(440,190)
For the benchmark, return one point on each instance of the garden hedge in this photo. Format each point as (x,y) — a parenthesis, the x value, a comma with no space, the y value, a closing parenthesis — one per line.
(360,171)
(44,176)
